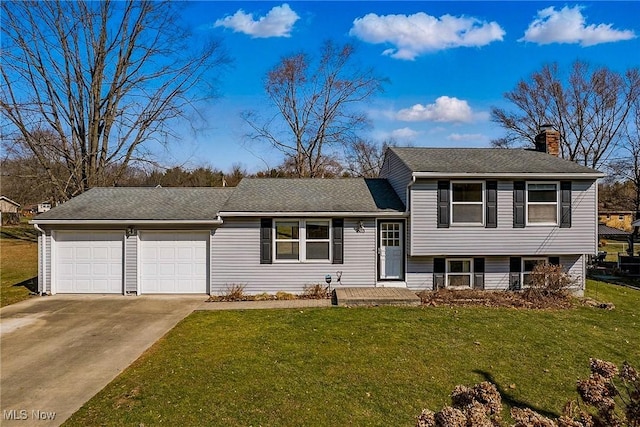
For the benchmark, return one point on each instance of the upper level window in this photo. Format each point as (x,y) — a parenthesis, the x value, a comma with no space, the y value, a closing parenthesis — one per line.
(302,240)
(467,202)
(542,203)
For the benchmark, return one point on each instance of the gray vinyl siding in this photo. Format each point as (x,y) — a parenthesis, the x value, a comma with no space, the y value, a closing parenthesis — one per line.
(428,240)
(398,175)
(419,273)
(235,255)
(48,243)
(131,264)
(496,277)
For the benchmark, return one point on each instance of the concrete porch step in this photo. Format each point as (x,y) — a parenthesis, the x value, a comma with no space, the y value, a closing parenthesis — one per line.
(375,296)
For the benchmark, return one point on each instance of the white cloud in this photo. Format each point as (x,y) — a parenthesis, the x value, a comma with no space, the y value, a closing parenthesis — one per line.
(413,35)
(403,133)
(445,109)
(278,22)
(568,25)
(466,137)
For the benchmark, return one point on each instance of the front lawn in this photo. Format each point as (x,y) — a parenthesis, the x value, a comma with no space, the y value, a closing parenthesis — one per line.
(362,366)
(18,263)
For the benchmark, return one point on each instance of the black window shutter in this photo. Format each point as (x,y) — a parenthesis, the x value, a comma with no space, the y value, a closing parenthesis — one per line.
(492,204)
(439,268)
(515,268)
(338,240)
(519,188)
(443,204)
(265,240)
(565,204)
(554,260)
(478,273)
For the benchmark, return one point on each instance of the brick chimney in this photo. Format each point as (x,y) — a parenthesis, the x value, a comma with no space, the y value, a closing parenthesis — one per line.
(548,140)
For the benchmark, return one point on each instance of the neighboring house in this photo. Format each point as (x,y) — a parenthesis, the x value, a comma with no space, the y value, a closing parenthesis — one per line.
(617,219)
(9,211)
(43,207)
(457,218)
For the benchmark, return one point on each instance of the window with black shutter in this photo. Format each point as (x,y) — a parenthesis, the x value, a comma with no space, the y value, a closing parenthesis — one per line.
(265,240)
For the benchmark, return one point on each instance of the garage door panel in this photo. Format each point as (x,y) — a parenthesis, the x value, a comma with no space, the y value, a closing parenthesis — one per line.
(89,262)
(174,262)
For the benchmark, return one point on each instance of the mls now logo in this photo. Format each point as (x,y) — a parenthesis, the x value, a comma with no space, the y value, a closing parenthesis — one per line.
(23,414)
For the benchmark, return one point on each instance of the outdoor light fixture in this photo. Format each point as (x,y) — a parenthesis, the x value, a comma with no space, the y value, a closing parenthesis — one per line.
(327,279)
(360,228)
(131,231)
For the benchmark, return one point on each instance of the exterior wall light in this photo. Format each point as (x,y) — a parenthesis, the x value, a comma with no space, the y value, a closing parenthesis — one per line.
(131,231)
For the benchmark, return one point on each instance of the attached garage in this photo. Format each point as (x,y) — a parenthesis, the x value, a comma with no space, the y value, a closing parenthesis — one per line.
(174,262)
(88,262)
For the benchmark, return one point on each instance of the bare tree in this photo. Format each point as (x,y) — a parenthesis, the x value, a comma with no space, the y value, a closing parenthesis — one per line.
(627,167)
(106,78)
(589,108)
(365,158)
(316,105)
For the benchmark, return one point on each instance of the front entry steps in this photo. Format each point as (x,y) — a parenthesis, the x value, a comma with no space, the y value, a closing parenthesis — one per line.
(374,297)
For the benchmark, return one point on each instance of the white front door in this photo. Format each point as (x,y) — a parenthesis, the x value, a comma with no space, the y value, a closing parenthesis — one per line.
(391,244)
(173,262)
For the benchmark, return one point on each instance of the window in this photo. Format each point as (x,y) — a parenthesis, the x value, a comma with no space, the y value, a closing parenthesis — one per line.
(459,273)
(318,242)
(621,217)
(528,265)
(287,240)
(302,240)
(467,203)
(542,203)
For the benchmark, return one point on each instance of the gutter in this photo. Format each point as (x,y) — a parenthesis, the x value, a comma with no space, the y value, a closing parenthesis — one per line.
(217,221)
(42,259)
(314,214)
(508,175)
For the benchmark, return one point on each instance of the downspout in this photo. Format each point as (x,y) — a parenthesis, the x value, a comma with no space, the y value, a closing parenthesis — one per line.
(42,259)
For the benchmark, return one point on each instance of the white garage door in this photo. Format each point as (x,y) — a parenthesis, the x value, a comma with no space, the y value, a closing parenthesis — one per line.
(173,262)
(88,262)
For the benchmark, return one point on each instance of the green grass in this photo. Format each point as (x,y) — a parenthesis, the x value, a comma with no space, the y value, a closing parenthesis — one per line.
(612,248)
(364,366)
(18,262)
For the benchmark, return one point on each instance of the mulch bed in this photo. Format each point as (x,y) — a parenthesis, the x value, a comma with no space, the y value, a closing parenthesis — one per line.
(471,298)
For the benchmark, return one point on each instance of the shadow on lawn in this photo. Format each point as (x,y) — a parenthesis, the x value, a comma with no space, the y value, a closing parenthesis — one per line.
(509,400)
(31,284)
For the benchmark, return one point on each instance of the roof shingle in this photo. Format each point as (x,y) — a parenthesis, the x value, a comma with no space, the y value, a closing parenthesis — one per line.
(136,203)
(314,195)
(486,160)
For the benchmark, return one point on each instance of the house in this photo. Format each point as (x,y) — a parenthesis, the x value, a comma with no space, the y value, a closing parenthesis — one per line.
(9,211)
(43,207)
(436,217)
(617,219)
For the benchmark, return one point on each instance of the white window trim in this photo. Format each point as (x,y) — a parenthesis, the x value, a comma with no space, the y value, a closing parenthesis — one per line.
(470,273)
(302,241)
(525,273)
(557,203)
(483,203)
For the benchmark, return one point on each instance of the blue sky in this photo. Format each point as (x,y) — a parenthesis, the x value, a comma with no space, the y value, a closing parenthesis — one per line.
(447,63)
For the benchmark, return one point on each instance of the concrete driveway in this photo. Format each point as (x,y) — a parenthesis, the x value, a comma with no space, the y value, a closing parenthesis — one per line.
(59,351)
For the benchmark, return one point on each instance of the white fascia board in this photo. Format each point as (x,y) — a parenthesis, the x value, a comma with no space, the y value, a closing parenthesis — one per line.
(125,222)
(556,176)
(313,214)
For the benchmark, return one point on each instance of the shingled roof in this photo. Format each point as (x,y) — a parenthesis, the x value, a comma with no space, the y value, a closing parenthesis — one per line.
(136,203)
(313,196)
(487,160)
